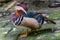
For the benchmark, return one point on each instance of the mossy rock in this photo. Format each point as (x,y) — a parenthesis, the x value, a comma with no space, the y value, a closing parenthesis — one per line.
(55,15)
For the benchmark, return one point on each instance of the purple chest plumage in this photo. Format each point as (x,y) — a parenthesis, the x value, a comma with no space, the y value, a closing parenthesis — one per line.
(14,17)
(17,19)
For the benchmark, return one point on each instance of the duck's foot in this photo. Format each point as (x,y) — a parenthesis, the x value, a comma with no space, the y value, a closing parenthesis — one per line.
(24,35)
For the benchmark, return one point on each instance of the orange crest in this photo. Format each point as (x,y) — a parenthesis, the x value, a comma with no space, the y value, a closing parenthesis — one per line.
(19,12)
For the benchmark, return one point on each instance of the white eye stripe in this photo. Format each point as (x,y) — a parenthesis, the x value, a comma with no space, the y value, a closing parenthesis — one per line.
(20,8)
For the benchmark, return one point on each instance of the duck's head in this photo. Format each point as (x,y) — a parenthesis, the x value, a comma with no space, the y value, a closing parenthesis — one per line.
(21,9)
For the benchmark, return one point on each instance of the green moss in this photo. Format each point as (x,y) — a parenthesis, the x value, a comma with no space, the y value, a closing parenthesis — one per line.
(54,15)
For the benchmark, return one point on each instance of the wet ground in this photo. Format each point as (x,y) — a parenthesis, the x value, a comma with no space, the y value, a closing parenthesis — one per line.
(47,34)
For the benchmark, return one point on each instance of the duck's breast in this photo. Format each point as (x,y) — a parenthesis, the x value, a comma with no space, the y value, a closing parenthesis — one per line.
(30,22)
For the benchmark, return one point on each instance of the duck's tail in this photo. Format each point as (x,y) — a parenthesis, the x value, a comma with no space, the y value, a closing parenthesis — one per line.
(50,21)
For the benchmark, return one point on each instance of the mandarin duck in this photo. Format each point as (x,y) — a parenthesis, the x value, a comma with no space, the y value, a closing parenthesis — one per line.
(25,18)
(18,18)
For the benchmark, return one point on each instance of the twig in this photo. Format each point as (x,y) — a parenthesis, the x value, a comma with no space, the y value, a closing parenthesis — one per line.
(9,6)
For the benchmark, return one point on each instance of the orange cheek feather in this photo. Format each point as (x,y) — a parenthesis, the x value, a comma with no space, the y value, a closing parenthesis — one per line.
(19,12)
